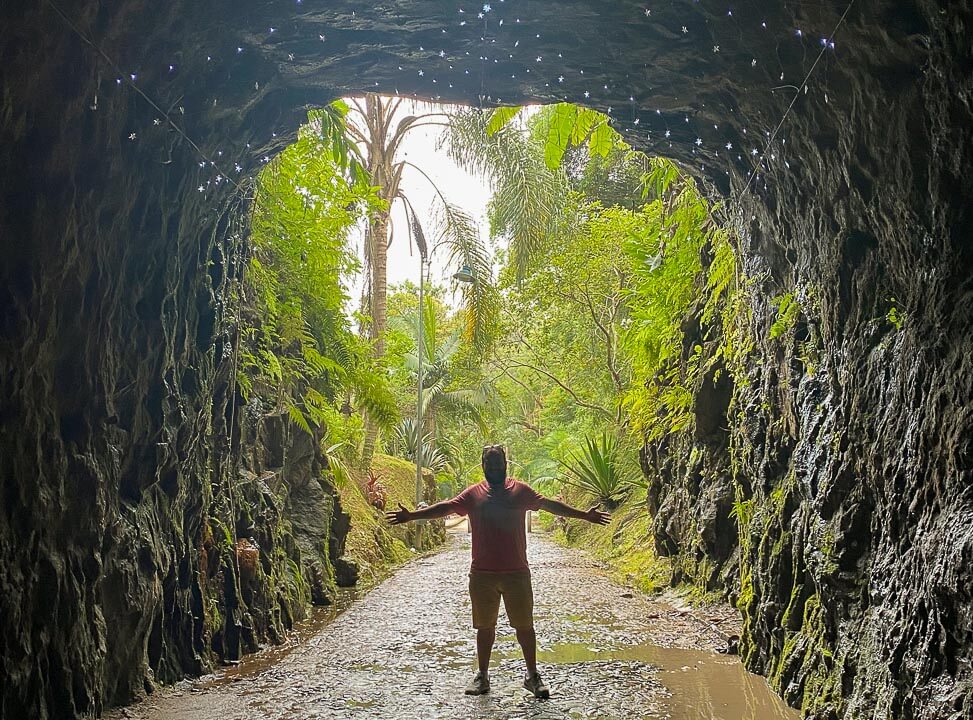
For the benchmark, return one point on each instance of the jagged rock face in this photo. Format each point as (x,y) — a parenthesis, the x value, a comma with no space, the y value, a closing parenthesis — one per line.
(114,394)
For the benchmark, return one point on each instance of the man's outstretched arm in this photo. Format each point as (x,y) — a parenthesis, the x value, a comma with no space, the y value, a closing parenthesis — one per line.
(592,514)
(404,515)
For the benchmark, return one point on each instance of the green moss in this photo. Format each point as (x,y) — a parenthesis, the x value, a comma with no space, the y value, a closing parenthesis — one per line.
(780,544)
(795,607)
(373,544)
(626,544)
(296,587)
(806,669)
(221,534)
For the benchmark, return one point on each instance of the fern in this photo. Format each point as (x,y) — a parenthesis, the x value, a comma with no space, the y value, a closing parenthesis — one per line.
(788,308)
(298,418)
(298,351)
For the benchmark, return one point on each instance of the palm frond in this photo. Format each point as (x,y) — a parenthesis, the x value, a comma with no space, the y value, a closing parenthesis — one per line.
(481,300)
(529,196)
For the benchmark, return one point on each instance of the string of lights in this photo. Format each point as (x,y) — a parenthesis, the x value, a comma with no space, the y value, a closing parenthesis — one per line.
(504,40)
(130,80)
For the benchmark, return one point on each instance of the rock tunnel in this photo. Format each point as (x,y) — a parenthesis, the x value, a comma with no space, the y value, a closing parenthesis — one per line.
(839,137)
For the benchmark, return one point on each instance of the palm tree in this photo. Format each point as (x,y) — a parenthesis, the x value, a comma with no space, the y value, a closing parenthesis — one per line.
(375,124)
(440,395)
(530,202)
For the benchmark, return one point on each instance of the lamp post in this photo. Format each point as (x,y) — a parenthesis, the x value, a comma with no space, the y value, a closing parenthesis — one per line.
(464,275)
(526,479)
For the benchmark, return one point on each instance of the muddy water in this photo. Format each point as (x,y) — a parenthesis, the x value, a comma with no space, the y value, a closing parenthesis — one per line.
(405,651)
(700,684)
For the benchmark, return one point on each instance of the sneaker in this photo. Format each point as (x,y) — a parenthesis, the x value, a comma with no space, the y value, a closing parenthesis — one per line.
(537,686)
(479,685)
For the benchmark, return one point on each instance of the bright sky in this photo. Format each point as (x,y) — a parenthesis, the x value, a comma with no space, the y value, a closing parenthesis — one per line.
(467,191)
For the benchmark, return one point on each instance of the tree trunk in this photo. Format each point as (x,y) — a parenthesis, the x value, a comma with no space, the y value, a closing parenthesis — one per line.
(382,176)
(379,300)
(378,234)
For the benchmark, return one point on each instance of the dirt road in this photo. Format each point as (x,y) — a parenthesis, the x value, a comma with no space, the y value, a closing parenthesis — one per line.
(406,651)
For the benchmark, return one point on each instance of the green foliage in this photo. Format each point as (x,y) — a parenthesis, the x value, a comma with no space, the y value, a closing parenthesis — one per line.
(481,302)
(298,351)
(603,266)
(449,389)
(676,226)
(527,206)
(376,123)
(329,125)
(565,125)
(599,468)
(500,117)
(721,276)
(616,179)
(895,316)
(456,394)
(406,442)
(788,309)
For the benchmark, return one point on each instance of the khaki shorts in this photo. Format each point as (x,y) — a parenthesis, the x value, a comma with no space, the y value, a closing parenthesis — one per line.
(486,589)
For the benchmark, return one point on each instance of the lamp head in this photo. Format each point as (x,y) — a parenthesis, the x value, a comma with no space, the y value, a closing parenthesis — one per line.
(464,275)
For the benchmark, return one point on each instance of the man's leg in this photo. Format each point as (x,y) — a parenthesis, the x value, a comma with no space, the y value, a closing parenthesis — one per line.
(528,644)
(485,600)
(518,598)
(484,647)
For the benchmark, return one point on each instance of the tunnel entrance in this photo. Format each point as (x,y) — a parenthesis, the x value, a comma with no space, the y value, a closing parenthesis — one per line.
(801,430)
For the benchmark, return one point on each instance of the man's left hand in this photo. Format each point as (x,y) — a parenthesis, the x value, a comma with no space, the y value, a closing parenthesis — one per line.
(596,516)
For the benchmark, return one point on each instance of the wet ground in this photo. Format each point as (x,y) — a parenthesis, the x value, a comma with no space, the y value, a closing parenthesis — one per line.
(406,650)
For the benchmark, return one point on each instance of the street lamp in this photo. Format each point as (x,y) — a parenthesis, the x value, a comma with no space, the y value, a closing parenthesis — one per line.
(463,275)
(526,479)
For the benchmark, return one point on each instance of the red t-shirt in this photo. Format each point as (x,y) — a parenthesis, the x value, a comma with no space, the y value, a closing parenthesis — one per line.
(497,523)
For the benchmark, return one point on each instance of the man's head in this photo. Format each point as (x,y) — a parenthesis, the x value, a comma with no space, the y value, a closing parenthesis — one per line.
(494,462)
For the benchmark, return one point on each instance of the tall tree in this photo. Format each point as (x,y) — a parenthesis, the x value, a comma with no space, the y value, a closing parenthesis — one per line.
(376,124)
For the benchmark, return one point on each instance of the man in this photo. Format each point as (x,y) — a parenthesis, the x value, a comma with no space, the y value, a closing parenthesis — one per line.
(496,508)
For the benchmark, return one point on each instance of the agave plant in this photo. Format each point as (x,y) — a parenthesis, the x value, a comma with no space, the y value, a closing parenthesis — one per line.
(406,441)
(599,469)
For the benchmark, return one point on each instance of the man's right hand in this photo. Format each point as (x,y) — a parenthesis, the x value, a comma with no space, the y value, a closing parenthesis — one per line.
(402,515)
(597,516)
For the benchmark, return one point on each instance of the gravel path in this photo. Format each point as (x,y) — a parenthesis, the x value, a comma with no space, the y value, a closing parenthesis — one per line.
(406,651)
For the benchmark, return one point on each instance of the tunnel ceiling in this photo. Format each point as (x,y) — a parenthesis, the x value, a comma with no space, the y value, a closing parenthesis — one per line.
(707,83)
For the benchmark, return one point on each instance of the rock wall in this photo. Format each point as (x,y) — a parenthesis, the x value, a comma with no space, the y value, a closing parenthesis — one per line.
(832,499)
(149,527)
(839,135)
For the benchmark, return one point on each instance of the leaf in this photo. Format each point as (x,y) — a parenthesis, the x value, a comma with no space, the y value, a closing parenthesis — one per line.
(501,117)
(298,418)
(602,140)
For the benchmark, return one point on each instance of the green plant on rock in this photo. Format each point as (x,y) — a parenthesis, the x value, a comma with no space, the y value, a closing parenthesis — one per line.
(677,224)
(788,309)
(895,316)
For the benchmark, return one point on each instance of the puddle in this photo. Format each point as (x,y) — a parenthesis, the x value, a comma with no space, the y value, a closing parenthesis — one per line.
(700,685)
